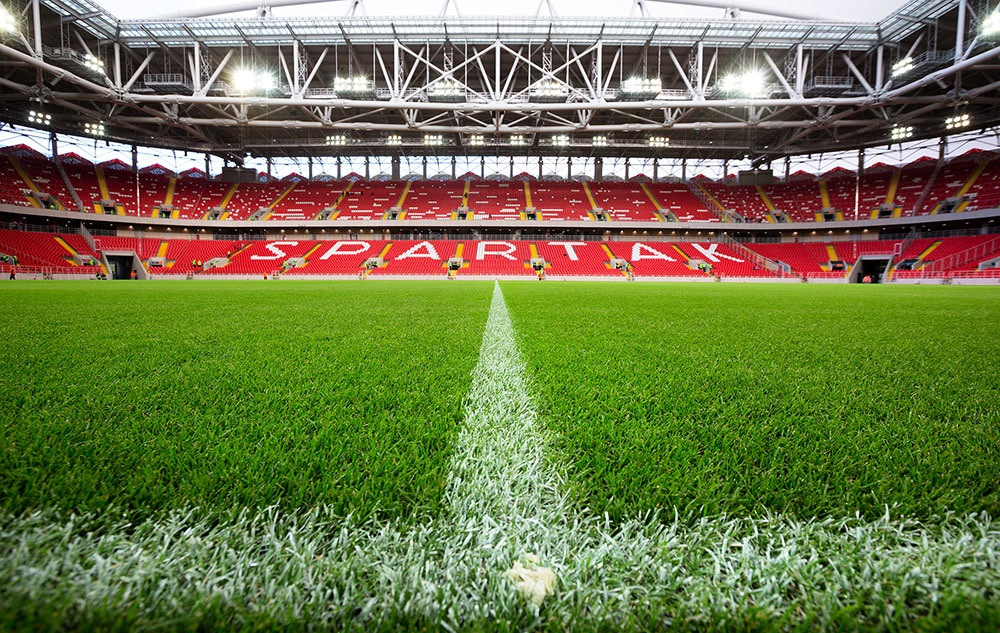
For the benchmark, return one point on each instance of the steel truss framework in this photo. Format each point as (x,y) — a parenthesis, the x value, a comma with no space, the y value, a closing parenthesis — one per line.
(512,86)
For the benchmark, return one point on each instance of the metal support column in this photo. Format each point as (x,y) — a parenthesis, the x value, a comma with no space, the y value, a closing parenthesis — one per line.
(857,182)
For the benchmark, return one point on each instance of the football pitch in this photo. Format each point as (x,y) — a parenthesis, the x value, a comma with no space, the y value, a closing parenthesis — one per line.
(377,455)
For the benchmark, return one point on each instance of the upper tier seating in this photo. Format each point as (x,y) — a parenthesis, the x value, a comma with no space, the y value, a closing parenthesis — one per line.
(985,192)
(370,200)
(307,200)
(250,197)
(623,201)
(844,193)
(913,179)
(12,186)
(84,179)
(490,200)
(195,196)
(122,186)
(949,182)
(560,201)
(743,199)
(800,200)
(433,200)
(676,198)
(46,178)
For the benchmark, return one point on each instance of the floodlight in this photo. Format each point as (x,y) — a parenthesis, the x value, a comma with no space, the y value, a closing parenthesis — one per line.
(658,141)
(956,122)
(599,141)
(750,83)
(446,89)
(560,140)
(94,64)
(337,139)
(548,91)
(900,132)
(353,86)
(477,139)
(94,129)
(640,88)
(433,139)
(39,118)
(902,66)
(991,25)
(7,22)
(252,81)
(394,139)
(518,139)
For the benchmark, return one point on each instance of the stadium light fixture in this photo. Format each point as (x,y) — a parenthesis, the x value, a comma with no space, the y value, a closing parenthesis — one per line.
(548,91)
(957,122)
(900,132)
(353,86)
(659,141)
(599,141)
(433,139)
(7,22)
(39,118)
(476,140)
(749,83)
(94,64)
(95,128)
(446,90)
(560,140)
(640,88)
(250,81)
(518,139)
(902,66)
(337,140)
(394,139)
(991,25)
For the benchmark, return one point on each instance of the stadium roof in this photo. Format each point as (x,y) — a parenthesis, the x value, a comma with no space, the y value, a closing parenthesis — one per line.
(643,86)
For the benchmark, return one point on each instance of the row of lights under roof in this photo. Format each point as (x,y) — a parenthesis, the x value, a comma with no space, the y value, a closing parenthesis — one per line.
(954,122)
(897,133)
(478,140)
(475,140)
(44,119)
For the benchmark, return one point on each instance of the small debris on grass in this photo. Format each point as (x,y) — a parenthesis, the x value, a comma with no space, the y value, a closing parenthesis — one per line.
(533,581)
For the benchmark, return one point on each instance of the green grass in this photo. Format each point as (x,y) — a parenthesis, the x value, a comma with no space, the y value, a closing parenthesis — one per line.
(231,395)
(302,455)
(807,400)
